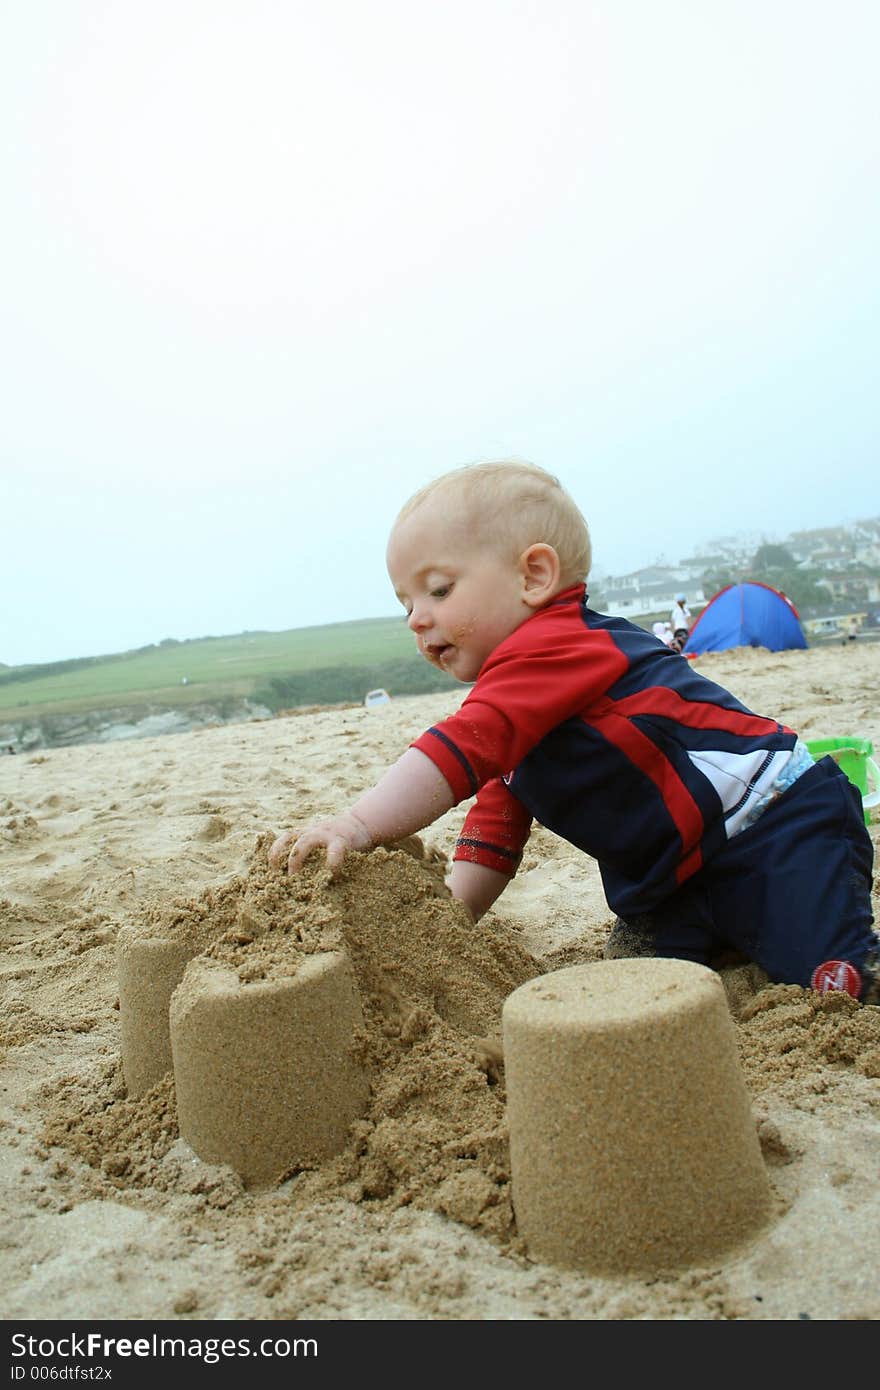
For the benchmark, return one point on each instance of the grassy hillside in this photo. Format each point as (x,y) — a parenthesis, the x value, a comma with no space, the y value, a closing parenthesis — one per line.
(311,665)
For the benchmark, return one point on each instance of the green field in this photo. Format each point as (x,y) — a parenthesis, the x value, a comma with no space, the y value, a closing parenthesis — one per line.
(307,665)
(334,664)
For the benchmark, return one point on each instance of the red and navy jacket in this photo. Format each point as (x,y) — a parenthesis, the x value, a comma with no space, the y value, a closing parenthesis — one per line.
(596,730)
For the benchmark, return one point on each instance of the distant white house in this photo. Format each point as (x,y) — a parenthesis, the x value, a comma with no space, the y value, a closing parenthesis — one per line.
(650,590)
(853,584)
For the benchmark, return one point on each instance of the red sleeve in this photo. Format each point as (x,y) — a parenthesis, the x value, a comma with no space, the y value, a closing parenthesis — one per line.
(548,670)
(495,830)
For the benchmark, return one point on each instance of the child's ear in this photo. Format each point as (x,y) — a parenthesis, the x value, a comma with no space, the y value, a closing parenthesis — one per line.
(541,570)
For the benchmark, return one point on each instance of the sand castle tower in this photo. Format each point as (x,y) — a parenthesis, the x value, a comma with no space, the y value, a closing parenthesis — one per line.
(264,1071)
(633,1146)
(149,969)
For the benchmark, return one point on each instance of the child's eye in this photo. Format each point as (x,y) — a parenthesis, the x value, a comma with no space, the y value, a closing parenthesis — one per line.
(441,591)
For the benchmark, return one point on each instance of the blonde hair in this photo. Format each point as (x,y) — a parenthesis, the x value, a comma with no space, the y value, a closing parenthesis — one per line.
(514,504)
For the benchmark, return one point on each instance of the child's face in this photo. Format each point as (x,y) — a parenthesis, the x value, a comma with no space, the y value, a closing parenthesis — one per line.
(462,598)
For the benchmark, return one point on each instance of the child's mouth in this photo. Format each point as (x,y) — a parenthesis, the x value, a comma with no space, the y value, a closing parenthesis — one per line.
(437,651)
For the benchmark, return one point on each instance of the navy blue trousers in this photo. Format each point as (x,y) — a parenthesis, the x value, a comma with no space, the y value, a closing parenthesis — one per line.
(792,891)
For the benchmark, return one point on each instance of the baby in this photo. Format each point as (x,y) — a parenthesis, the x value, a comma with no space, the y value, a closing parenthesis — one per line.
(712,826)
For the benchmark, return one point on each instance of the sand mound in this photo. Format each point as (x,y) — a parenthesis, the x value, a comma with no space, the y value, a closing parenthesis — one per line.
(432,986)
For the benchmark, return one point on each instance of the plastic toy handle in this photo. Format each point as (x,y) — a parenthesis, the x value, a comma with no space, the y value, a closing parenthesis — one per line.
(873,771)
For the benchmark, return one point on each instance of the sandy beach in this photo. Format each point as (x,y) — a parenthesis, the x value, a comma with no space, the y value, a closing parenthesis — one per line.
(107,1213)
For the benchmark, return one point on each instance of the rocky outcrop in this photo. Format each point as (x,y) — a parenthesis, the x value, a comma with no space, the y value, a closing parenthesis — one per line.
(110,725)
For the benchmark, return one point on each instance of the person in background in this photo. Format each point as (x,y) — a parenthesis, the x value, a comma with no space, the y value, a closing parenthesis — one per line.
(712,826)
(680,622)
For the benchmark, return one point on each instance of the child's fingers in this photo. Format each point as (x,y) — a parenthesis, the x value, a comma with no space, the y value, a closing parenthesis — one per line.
(280,849)
(291,850)
(303,847)
(336,851)
(335,844)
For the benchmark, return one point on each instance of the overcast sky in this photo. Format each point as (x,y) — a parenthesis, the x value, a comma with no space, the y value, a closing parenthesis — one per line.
(270,266)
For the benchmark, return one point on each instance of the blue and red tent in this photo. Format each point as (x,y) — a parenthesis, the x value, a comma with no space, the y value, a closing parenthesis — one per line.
(748,614)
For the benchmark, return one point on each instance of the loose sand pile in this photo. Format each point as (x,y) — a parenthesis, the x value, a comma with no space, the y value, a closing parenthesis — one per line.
(107,1213)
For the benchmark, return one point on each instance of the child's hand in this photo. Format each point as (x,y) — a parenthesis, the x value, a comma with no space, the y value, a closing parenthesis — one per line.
(411,794)
(338,835)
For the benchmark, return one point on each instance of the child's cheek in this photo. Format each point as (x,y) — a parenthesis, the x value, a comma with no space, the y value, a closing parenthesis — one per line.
(462,629)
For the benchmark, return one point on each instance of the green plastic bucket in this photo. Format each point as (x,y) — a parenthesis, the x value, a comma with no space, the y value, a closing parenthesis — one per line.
(853,756)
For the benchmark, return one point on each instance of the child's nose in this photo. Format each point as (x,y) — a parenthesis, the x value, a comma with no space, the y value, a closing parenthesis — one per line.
(418,619)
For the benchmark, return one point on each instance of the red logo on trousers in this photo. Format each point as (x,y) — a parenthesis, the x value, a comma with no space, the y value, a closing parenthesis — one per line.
(837,975)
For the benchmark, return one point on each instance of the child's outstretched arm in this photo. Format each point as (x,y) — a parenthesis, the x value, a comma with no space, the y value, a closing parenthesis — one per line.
(411,794)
